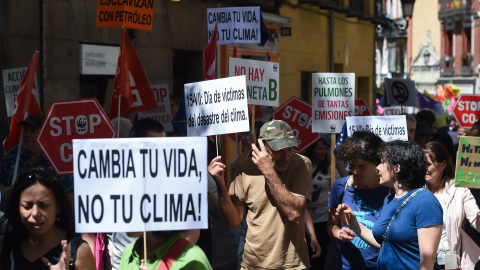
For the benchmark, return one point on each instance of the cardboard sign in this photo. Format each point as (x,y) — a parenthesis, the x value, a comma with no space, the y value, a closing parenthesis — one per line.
(398,110)
(388,128)
(401,92)
(467,172)
(217,107)
(262,80)
(162,113)
(11,84)
(235,25)
(333,99)
(122,13)
(140,184)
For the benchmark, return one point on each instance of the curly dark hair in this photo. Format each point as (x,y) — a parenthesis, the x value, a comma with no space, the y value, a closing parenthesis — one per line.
(438,153)
(411,159)
(362,144)
(15,228)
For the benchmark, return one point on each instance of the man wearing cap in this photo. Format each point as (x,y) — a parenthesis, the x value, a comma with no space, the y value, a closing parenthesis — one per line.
(274,186)
(30,156)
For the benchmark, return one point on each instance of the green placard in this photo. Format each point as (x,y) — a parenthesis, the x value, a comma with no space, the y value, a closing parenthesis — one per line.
(467,172)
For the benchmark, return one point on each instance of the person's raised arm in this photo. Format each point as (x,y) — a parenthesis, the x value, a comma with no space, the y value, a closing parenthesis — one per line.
(288,205)
(428,240)
(348,217)
(232,213)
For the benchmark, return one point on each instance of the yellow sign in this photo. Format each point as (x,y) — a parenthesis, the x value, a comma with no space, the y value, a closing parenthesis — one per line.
(467,172)
(133,14)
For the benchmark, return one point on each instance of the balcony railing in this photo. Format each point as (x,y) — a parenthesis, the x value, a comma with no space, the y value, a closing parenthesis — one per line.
(454,4)
(448,72)
(455,7)
(466,71)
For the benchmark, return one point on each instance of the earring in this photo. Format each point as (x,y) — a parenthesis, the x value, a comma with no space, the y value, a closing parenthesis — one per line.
(57,219)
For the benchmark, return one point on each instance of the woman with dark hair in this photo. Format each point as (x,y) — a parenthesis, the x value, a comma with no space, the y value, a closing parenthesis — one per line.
(458,205)
(40,233)
(362,193)
(319,155)
(408,229)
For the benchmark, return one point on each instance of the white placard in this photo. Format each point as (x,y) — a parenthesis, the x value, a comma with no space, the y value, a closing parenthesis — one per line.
(11,84)
(162,113)
(140,184)
(98,59)
(401,92)
(333,99)
(388,128)
(396,110)
(217,107)
(235,24)
(262,80)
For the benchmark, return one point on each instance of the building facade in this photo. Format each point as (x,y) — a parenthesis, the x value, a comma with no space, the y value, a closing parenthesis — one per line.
(324,36)
(460,31)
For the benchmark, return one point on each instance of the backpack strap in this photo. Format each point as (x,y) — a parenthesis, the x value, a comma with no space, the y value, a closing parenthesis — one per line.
(73,245)
(172,254)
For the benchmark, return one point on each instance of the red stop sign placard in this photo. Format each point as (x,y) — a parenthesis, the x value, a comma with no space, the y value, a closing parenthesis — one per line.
(297,113)
(361,107)
(467,110)
(67,120)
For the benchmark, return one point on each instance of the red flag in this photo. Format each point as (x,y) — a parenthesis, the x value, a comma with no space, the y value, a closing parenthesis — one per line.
(235,51)
(25,104)
(209,57)
(131,84)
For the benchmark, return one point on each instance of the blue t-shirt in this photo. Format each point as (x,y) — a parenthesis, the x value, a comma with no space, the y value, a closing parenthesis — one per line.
(401,246)
(366,204)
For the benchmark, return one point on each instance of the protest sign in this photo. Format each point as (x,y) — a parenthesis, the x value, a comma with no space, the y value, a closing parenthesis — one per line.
(140,184)
(11,84)
(333,99)
(162,113)
(388,128)
(467,110)
(296,113)
(467,170)
(361,107)
(123,13)
(397,110)
(67,120)
(235,24)
(262,80)
(401,92)
(217,106)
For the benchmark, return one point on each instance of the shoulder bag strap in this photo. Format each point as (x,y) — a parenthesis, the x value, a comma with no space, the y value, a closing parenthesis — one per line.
(398,210)
(172,253)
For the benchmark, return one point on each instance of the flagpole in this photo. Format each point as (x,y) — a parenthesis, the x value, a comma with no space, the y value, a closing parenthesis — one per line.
(118,119)
(17,161)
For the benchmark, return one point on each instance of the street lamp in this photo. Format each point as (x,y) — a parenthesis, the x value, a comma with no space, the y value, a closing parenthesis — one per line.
(407,8)
(426,57)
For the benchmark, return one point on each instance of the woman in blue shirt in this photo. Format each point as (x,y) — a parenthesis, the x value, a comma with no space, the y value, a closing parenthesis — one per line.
(408,230)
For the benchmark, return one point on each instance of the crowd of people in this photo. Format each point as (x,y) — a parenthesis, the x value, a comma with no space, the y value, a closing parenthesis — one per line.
(393,205)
